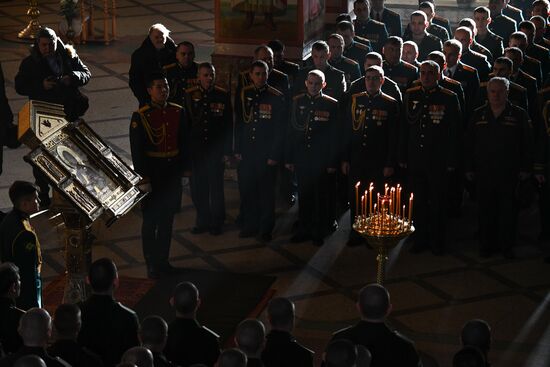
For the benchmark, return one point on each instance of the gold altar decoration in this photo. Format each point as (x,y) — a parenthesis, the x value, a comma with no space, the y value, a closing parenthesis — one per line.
(90,182)
(30,31)
(383,221)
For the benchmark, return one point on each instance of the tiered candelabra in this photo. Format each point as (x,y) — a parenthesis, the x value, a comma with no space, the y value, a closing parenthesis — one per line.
(383,221)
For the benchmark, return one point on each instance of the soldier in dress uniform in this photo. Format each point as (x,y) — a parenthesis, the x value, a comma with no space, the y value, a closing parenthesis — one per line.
(382,14)
(542,8)
(281,347)
(410,53)
(466,75)
(440,32)
(534,50)
(276,79)
(282,64)
(530,65)
(259,134)
(159,147)
(335,79)
(517,95)
(502,25)
(370,138)
(499,155)
(475,46)
(438,19)
(430,141)
(469,57)
(395,68)
(368,28)
(19,243)
(512,12)
(446,82)
(519,76)
(426,42)
(348,66)
(484,36)
(389,87)
(210,114)
(183,73)
(540,27)
(353,49)
(312,152)
(189,342)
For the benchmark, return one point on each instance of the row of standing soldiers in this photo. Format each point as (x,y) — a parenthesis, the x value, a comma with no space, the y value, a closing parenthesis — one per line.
(332,124)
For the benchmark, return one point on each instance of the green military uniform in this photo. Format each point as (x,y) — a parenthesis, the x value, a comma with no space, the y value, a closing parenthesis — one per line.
(492,42)
(179,79)
(469,79)
(211,118)
(19,245)
(403,73)
(159,146)
(312,146)
(498,148)
(443,22)
(389,87)
(480,49)
(430,144)
(391,20)
(357,52)
(478,62)
(517,95)
(541,54)
(335,79)
(514,13)
(276,79)
(259,134)
(372,30)
(348,66)
(428,44)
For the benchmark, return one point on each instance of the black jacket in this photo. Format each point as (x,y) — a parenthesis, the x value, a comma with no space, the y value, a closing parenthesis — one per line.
(282,349)
(9,322)
(391,19)
(10,360)
(190,343)
(147,60)
(35,68)
(388,347)
(108,328)
(74,354)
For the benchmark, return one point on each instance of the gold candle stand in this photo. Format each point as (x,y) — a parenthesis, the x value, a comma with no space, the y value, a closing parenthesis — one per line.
(30,31)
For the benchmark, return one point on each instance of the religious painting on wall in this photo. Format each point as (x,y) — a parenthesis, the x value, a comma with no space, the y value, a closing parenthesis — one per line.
(256,21)
(314,18)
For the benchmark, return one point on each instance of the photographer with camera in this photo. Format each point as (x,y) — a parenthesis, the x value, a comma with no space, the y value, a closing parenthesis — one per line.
(53,72)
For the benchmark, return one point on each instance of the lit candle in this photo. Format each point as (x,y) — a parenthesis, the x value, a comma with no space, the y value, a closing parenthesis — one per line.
(366,204)
(373,220)
(391,209)
(385,189)
(410,207)
(362,201)
(403,218)
(371,189)
(398,198)
(357,197)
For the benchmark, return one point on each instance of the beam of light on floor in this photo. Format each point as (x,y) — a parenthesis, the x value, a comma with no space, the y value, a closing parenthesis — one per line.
(541,355)
(322,260)
(393,255)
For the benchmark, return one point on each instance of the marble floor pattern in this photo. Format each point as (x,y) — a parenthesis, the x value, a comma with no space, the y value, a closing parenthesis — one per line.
(432,296)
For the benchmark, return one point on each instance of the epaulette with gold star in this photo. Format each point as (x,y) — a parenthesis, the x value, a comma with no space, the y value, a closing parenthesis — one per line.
(175,105)
(452,81)
(468,68)
(144,109)
(329,98)
(274,91)
(388,97)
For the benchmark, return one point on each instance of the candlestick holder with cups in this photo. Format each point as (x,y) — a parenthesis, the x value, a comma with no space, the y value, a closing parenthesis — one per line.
(383,222)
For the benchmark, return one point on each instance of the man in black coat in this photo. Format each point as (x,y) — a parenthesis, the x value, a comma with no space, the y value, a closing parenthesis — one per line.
(368,28)
(499,148)
(401,72)
(188,342)
(250,338)
(353,48)
(108,327)
(501,24)
(350,67)
(67,323)
(156,51)
(35,329)
(281,348)
(470,57)
(210,115)
(389,348)
(10,286)
(530,65)
(19,243)
(153,334)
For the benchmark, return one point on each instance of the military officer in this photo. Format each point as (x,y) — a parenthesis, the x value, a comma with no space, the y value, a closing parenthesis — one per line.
(312,152)
(499,155)
(282,64)
(445,82)
(340,62)
(159,147)
(426,42)
(465,74)
(335,79)
(475,46)
(211,117)
(395,68)
(518,75)
(353,49)
(410,53)
(382,14)
(534,50)
(530,65)
(19,243)
(502,25)
(259,135)
(512,12)
(370,138)
(430,141)
(484,36)
(183,73)
(469,57)
(434,28)
(372,30)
